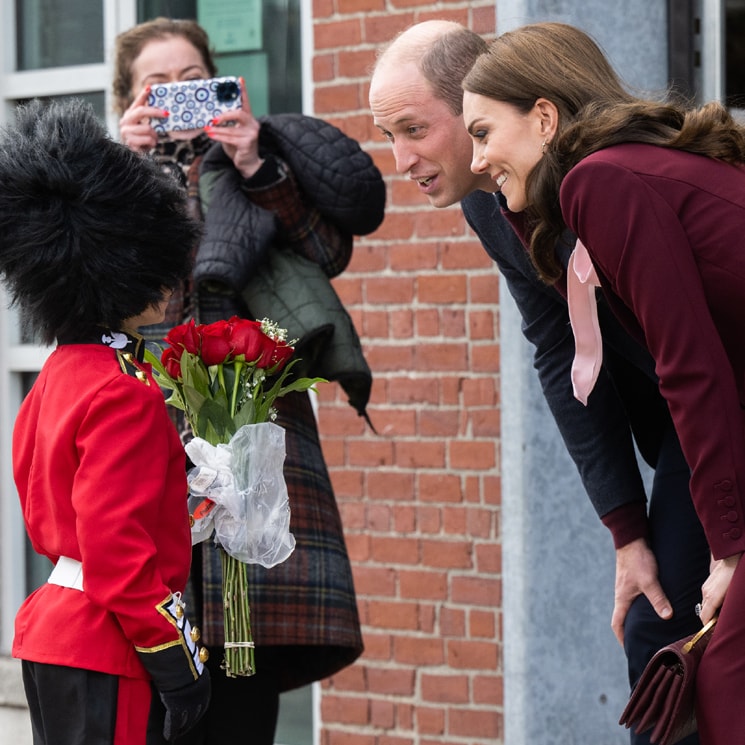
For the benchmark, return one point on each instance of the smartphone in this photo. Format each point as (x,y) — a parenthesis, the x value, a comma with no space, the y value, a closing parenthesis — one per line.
(193,104)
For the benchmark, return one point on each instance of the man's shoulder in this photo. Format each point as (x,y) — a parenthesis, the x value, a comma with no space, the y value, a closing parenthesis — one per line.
(480,205)
(484,214)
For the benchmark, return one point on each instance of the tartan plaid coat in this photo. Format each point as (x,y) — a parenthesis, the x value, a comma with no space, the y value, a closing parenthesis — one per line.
(304,609)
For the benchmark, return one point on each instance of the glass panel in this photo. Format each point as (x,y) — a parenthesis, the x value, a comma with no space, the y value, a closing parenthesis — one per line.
(96,98)
(147,9)
(735,53)
(37,567)
(295,717)
(55,33)
(282,42)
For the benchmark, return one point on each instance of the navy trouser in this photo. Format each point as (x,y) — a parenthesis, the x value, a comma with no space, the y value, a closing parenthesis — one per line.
(682,553)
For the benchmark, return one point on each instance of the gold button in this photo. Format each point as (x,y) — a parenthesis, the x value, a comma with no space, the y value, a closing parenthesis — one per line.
(195,634)
(204,654)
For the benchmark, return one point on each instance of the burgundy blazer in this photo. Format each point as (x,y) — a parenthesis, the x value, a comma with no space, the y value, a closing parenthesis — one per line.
(666,232)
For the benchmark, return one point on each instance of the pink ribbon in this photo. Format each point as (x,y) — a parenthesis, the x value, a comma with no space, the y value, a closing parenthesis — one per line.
(583,317)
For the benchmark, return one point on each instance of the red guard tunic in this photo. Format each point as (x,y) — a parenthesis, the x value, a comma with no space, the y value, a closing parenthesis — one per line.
(101,476)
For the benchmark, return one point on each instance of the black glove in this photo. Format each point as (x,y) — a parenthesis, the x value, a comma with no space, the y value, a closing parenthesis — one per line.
(178,673)
(185,706)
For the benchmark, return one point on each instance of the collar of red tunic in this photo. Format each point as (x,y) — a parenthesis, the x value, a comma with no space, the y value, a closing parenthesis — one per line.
(120,341)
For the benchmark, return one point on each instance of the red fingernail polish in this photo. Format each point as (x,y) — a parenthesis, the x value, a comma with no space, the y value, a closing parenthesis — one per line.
(166,113)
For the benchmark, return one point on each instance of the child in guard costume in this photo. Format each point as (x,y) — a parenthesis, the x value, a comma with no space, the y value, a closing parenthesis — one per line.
(93,240)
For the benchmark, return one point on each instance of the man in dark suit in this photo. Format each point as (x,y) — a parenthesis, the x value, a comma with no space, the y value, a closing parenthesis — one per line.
(416,101)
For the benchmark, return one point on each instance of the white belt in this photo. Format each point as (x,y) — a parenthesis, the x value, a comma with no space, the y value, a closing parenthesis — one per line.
(67,572)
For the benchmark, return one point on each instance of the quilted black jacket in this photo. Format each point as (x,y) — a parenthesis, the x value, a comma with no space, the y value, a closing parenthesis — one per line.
(333,172)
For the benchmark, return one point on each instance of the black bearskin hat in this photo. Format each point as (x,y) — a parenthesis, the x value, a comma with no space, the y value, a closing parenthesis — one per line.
(90,232)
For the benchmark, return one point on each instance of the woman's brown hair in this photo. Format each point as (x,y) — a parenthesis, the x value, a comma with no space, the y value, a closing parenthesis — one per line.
(564,65)
(130,43)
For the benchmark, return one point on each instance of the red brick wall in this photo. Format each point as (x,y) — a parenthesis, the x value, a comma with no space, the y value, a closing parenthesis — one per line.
(420,501)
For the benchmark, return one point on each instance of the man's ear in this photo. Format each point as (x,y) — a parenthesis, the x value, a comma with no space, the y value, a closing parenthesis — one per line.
(549,118)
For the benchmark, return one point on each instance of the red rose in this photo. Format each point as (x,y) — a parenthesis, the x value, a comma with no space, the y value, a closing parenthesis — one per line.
(247,338)
(171,359)
(281,354)
(216,344)
(183,337)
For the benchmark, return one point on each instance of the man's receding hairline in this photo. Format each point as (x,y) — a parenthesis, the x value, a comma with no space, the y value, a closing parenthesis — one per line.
(411,44)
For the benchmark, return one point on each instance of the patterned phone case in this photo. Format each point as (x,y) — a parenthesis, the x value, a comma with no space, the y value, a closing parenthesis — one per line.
(192,104)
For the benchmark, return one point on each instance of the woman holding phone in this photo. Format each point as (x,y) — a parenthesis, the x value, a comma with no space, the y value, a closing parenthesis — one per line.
(172,57)
(241,181)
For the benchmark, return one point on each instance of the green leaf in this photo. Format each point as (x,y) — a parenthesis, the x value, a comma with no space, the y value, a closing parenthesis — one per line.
(154,360)
(246,415)
(211,435)
(215,418)
(301,384)
(165,381)
(194,400)
(176,401)
(195,374)
(218,387)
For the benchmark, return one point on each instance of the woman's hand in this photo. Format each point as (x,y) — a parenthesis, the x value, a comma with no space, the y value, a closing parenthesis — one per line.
(240,138)
(135,130)
(715,587)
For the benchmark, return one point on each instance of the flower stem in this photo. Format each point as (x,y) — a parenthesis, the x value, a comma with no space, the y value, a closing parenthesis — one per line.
(221,377)
(239,650)
(238,367)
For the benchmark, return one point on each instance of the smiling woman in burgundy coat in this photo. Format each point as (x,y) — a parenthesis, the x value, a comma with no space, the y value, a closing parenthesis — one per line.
(655,193)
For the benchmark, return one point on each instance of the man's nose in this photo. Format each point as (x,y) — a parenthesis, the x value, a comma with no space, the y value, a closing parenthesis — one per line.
(405,156)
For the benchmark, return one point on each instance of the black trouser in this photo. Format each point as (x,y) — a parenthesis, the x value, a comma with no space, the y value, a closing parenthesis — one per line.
(70,706)
(243,710)
(682,553)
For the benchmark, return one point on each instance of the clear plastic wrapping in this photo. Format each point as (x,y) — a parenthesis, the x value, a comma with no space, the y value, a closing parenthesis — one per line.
(250,516)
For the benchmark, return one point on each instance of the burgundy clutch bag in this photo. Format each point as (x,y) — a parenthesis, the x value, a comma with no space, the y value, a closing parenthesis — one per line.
(664,698)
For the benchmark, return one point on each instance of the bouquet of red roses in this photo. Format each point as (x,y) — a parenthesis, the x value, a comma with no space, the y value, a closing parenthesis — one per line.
(225,377)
